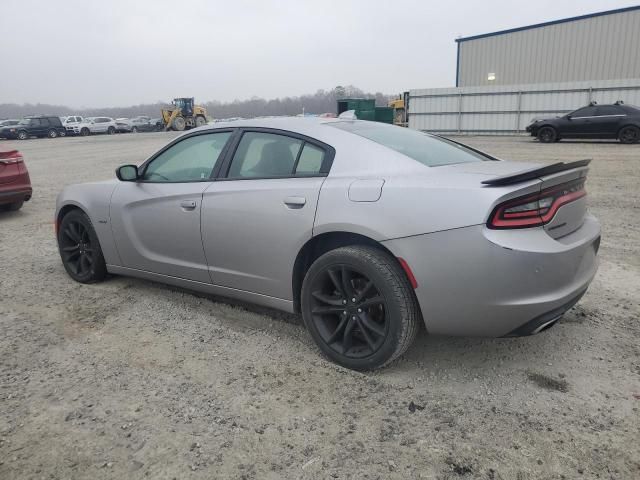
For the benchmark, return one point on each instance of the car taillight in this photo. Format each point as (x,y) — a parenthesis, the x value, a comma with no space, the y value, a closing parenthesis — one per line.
(12,156)
(538,209)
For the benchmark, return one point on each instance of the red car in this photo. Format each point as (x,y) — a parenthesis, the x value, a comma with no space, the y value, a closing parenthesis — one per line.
(15,184)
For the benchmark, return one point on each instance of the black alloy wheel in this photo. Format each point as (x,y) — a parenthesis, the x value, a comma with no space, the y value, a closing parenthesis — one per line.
(79,248)
(629,134)
(359,307)
(348,311)
(547,135)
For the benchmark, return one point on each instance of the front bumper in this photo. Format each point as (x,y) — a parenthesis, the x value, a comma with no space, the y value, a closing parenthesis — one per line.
(9,135)
(480,282)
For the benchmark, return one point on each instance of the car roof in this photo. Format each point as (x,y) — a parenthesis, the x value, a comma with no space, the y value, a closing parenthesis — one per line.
(354,153)
(314,127)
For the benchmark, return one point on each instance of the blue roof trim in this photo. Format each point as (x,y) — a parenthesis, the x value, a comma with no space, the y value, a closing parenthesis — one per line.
(545,24)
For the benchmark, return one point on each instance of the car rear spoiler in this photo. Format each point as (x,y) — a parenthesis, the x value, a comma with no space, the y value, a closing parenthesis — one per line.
(534,173)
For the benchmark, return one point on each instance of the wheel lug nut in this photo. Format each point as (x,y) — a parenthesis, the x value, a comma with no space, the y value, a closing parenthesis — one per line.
(359,310)
(344,313)
(353,318)
(344,302)
(353,300)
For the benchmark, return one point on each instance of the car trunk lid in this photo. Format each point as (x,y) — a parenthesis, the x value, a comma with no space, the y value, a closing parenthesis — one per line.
(10,166)
(569,184)
(561,199)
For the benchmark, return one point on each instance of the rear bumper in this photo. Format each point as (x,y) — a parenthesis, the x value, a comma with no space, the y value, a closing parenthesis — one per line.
(480,282)
(15,194)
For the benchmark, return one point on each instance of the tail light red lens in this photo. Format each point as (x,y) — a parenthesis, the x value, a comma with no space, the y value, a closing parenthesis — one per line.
(12,156)
(538,209)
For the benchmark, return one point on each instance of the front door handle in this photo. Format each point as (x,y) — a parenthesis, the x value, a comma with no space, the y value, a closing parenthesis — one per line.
(188,204)
(295,202)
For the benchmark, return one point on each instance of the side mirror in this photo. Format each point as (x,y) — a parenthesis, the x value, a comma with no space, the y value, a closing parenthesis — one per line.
(568,117)
(127,173)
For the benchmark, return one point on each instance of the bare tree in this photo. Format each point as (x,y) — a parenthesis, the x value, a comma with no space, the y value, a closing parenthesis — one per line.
(323,101)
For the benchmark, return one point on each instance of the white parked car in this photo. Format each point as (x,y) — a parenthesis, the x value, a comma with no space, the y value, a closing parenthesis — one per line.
(71,121)
(92,125)
(123,125)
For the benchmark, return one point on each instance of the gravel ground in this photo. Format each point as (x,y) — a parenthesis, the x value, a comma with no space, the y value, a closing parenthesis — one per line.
(131,379)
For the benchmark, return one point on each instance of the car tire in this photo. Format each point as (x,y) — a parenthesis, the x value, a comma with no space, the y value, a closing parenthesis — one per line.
(378,326)
(62,133)
(23,135)
(52,133)
(80,249)
(84,132)
(134,130)
(179,124)
(200,121)
(111,130)
(547,135)
(629,134)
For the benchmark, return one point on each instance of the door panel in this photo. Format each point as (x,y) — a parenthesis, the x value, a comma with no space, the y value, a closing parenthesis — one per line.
(581,123)
(252,231)
(609,120)
(156,227)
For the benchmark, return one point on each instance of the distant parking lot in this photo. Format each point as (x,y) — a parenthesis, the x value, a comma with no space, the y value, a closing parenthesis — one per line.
(131,379)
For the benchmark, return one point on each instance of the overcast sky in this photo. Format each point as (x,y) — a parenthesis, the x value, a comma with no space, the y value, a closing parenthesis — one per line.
(121,52)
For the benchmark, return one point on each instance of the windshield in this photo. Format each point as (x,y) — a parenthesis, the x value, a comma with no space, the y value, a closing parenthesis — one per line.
(427,149)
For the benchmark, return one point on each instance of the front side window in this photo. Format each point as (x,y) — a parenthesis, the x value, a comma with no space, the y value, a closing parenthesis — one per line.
(264,155)
(584,112)
(427,149)
(189,160)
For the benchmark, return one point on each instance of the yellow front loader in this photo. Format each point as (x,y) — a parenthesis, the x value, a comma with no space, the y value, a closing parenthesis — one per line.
(183,115)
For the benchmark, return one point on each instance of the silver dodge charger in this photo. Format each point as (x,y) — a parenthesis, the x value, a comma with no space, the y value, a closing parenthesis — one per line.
(368,230)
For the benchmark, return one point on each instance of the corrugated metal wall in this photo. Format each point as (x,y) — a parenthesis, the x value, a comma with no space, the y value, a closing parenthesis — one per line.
(509,109)
(604,47)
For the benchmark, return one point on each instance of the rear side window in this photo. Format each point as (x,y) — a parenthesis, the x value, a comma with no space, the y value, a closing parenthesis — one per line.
(310,161)
(264,155)
(609,110)
(189,160)
(427,149)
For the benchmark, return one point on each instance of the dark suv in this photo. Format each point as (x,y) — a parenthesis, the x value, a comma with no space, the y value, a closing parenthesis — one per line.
(40,126)
(593,121)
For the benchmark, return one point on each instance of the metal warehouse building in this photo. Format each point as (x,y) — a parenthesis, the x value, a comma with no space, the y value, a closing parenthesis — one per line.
(506,78)
(600,46)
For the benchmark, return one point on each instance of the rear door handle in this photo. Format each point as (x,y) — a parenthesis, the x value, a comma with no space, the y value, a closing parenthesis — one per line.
(295,202)
(188,204)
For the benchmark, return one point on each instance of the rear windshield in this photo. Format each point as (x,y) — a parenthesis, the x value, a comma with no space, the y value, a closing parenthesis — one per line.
(427,149)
